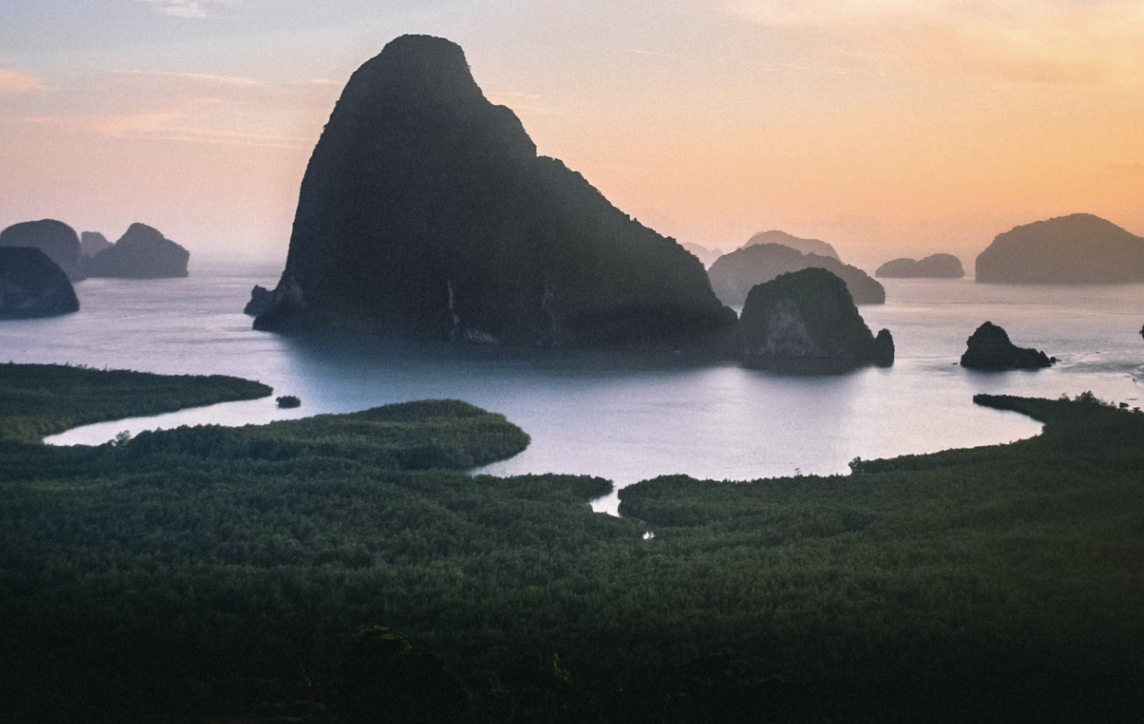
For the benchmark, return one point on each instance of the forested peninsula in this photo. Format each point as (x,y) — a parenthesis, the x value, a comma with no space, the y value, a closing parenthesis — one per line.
(346,568)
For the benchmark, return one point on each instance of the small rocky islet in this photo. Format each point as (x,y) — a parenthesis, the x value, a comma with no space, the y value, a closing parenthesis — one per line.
(990,349)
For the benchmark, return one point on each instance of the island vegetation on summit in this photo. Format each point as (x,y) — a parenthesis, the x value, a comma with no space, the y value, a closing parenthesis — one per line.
(345,568)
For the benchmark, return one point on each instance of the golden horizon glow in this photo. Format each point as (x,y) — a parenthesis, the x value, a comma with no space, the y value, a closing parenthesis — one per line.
(886,127)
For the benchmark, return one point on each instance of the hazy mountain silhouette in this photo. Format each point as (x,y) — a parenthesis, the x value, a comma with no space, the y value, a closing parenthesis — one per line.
(32,285)
(806,246)
(426,211)
(55,238)
(806,320)
(733,275)
(1076,249)
(141,253)
(934,266)
(92,242)
(702,253)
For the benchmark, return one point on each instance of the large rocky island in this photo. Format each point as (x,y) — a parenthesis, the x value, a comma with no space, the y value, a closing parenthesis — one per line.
(141,253)
(1076,249)
(807,321)
(32,285)
(55,238)
(733,275)
(934,266)
(426,211)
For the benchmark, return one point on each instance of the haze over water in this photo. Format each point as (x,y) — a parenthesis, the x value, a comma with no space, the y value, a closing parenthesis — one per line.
(621,417)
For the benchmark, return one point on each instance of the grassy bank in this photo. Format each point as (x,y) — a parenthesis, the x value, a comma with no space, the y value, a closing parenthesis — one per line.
(345,568)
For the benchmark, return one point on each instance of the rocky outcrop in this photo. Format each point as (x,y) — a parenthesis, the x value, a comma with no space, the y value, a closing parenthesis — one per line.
(806,246)
(55,238)
(92,242)
(1076,249)
(807,321)
(261,299)
(934,266)
(141,253)
(426,211)
(989,348)
(32,285)
(733,275)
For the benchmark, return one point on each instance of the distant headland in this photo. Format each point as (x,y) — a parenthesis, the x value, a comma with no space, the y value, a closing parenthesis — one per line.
(934,266)
(733,275)
(806,246)
(1076,249)
(141,253)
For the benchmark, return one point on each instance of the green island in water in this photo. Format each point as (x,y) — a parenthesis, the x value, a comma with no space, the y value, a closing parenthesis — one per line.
(347,568)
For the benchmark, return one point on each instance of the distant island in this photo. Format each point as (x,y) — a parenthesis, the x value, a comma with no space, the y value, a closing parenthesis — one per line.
(55,238)
(92,242)
(806,246)
(1076,249)
(989,348)
(934,266)
(32,285)
(733,275)
(425,211)
(141,253)
(806,321)
(702,253)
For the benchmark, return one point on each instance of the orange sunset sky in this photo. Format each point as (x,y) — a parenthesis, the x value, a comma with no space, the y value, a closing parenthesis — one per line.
(887,127)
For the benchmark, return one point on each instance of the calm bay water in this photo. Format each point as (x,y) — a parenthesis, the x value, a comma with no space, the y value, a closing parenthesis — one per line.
(619,417)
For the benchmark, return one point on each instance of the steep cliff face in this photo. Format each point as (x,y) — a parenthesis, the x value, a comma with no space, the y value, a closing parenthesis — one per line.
(734,275)
(55,238)
(989,348)
(1076,249)
(32,285)
(807,319)
(806,246)
(426,211)
(141,253)
(934,266)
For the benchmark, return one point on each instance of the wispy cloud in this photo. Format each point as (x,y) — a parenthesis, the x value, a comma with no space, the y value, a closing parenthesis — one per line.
(189,8)
(186,107)
(13,81)
(1080,42)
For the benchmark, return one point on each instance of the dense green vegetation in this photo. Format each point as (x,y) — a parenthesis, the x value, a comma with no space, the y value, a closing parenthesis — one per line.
(41,400)
(344,568)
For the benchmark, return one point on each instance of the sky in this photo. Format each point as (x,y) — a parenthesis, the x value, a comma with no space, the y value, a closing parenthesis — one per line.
(886,127)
